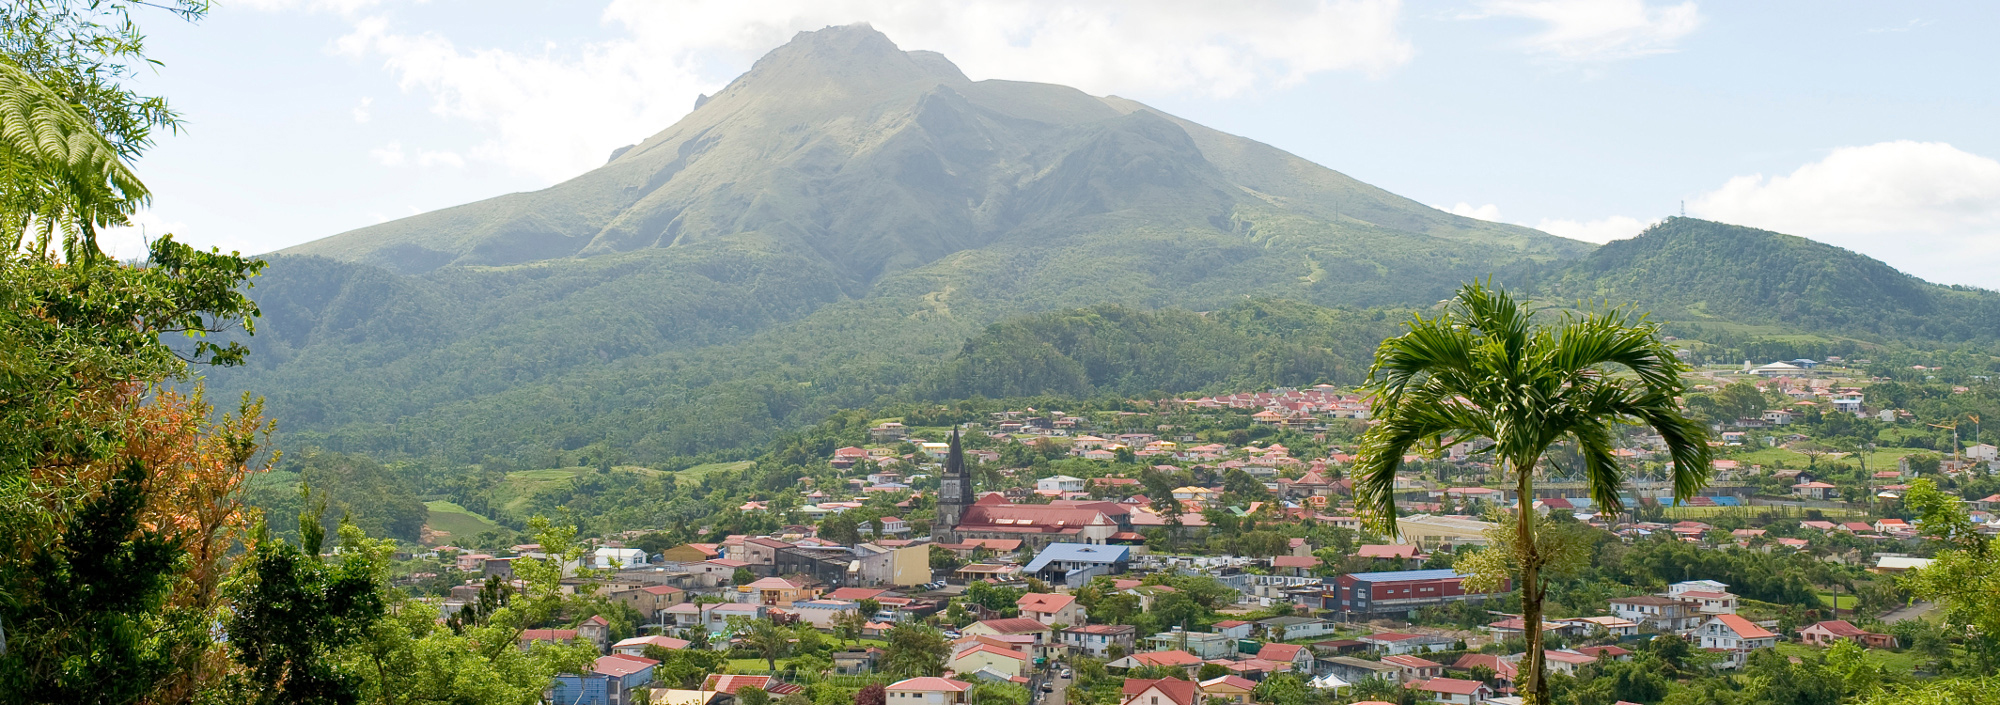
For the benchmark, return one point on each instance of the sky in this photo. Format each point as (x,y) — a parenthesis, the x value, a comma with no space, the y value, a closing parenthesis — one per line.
(1865,125)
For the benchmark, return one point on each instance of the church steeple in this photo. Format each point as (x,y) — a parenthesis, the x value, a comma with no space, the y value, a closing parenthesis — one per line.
(954,493)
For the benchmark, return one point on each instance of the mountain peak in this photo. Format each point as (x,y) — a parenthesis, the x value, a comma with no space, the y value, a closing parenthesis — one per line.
(847,55)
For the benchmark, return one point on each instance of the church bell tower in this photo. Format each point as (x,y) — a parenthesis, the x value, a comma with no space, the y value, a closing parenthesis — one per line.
(954,494)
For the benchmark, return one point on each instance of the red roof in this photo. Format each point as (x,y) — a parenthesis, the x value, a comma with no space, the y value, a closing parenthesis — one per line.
(1569,657)
(990,649)
(1839,628)
(1743,628)
(1408,661)
(1166,658)
(1387,552)
(1178,691)
(1016,625)
(548,635)
(621,665)
(930,684)
(1280,652)
(856,593)
(1294,562)
(1604,651)
(1043,602)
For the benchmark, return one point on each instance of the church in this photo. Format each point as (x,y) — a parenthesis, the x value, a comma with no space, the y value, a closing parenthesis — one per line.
(961,516)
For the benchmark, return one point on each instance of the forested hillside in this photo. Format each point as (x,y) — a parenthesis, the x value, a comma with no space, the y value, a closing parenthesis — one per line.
(1697,270)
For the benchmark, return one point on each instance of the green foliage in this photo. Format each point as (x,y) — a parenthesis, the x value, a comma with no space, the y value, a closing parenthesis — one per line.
(294,611)
(914,650)
(1483,368)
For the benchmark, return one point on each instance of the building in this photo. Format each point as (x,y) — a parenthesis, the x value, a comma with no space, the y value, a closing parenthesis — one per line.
(902,566)
(1356,670)
(1734,636)
(981,656)
(1059,484)
(636,646)
(1710,597)
(1456,690)
(1825,633)
(1295,627)
(1051,609)
(1097,639)
(1159,659)
(1164,691)
(1815,490)
(1411,668)
(1235,690)
(821,612)
(1393,643)
(1203,644)
(775,592)
(856,660)
(928,690)
(1662,613)
(1401,592)
(1012,626)
(1298,657)
(610,681)
(650,600)
(1566,662)
(1074,564)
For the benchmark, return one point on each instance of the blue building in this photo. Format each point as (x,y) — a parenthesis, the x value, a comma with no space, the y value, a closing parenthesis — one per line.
(610,682)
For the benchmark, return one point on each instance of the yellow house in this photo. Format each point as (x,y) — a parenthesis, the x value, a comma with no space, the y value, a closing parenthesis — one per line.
(778,592)
(975,657)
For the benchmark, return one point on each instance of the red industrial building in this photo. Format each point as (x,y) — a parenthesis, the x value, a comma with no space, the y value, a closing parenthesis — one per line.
(1394,592)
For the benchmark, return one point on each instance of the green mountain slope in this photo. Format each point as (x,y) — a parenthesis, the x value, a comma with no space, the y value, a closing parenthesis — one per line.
(1697,270)
(829,229)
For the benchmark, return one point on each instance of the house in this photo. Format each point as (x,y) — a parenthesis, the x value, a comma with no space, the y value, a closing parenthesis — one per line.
(1234,628)
(1896,564)
(1300,658)
(1399,555)
(1295,627)
(822,613)
(1734,636)
(1815,490)
(1605,653)
(1012,626)
(1661,613)
(1074,564)
(1059,484)
(856,660)
(1097,639)
(1392,643)
(1455,690)
(1206,645)
(1296,566)
(1614,626)
(929,690)
(775,592)
(1051,609)
(1163,691)
(1504,669)
(1710,597)
(1825,633)
(1566,662)
(1410,668)
(610,681)
(636,646)
(650,600)
(980,656)
(1158,659)
(555,636)
(1890,526)
(691,553)
(1356,670)
(1232,689)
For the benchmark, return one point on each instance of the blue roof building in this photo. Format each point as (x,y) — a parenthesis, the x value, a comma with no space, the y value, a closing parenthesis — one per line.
(1076,563)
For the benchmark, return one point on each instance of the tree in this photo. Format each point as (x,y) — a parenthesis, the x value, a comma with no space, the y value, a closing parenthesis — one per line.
(767,639)
(743,576)
(1483,369)
(872,694)
(1964,575)
(847,626)
(914,650)
(294,612)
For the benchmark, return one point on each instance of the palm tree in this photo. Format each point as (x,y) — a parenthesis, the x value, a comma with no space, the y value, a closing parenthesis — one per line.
(57,172)
(768,640)
(1483,369)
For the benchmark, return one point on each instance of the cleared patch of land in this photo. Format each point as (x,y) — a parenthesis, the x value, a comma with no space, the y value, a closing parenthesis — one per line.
(456,520)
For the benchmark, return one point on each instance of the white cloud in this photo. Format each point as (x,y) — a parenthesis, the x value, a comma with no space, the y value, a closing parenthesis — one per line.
(134,241)
(390,154)
(559,111)
(361,111)
(1603,230)
(1599,30)
(1927,208)
(1486,212)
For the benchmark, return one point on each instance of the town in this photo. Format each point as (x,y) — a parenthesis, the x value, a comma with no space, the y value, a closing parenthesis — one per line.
(1190,550)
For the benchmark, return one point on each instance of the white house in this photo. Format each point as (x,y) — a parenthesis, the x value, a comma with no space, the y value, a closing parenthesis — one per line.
(1059,483)
(1735,636)
(1709,596)
(928,690)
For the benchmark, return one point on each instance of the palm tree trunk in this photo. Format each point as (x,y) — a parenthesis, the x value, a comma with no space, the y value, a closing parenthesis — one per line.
(1533,663)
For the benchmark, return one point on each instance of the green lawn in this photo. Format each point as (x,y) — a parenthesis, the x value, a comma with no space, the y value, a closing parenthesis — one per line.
(1846,601)
(452,519)
(694,474)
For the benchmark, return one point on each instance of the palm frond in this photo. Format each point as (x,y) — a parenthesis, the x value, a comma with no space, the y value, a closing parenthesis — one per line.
(56,170)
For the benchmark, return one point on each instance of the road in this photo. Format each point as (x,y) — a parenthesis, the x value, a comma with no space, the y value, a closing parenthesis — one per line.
(1059,696)
(1915,610)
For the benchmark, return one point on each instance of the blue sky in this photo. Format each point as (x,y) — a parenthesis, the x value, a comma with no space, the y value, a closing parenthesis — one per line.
(1865,125)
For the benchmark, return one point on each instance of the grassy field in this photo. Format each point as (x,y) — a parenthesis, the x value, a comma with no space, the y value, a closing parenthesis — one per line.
(456,521)
(1846,601)
(694,474)
(1878,459)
